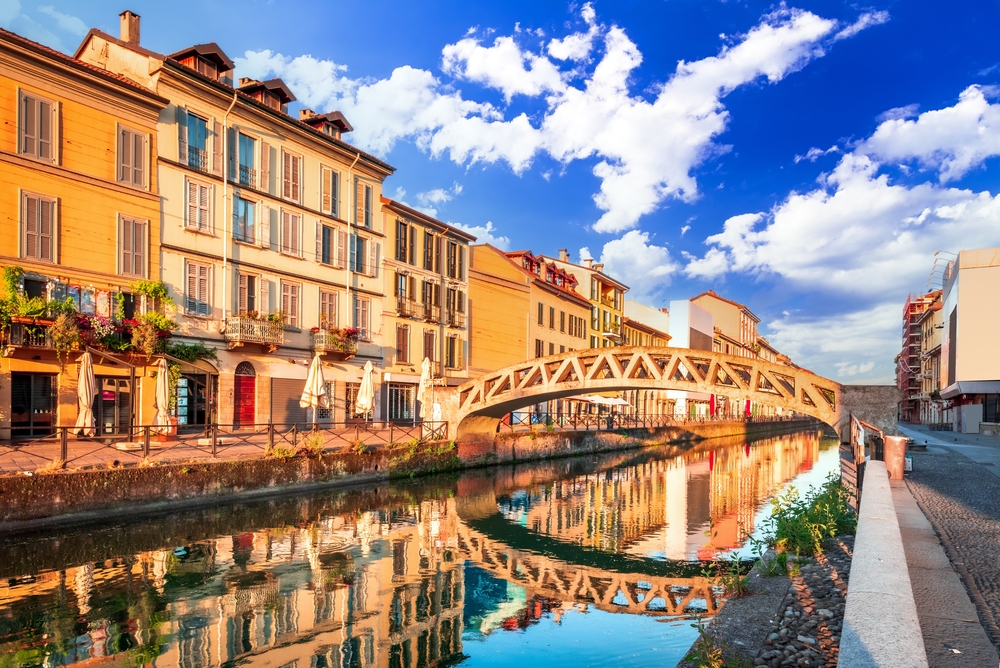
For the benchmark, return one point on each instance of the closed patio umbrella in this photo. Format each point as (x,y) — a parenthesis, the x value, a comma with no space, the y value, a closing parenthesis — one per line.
(314,394)
(425,384)
(161,398)
(365,400)
(86,388)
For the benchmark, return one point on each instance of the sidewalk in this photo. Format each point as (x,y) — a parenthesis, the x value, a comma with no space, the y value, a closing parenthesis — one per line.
(956,484)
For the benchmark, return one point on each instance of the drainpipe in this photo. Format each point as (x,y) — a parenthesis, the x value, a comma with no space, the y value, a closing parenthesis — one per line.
(225,210)
(352,212)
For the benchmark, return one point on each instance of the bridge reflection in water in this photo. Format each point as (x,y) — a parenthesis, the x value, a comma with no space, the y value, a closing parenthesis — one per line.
(406,581)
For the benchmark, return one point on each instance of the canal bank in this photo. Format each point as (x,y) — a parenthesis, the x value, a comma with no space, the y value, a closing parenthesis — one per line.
(29,502)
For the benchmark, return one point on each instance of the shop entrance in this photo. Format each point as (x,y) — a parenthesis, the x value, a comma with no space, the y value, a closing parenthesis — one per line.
(32,404)
(244,395)
(113,406)
(192,400)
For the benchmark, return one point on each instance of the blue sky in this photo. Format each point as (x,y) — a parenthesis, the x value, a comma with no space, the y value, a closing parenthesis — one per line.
(807,159)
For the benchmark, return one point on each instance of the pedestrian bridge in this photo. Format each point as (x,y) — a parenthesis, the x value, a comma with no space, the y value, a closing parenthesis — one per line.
(481,403)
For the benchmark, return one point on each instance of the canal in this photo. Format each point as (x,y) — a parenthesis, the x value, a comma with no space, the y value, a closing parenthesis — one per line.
(590,561)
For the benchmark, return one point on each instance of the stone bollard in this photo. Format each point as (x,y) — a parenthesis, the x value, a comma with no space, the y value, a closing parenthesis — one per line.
(895,456)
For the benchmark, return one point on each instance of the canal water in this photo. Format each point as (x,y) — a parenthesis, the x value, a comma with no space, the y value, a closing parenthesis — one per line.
(590,561)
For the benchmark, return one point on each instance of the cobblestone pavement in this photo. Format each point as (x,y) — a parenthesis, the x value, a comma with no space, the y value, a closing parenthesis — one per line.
(808,633)
(961,499)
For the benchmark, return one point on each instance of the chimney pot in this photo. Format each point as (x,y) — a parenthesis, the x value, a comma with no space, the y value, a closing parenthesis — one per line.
(588,262)
(563,255)
(306,113)
(598,266)
(129,27)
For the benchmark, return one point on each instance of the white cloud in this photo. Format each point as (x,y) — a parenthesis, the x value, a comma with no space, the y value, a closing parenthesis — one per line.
(11,18)
(866,20)
(952,141)
(643,266)
(485,234)
(907,111)
(585,254)
(865,356)
(66,22)
(9,10)
(645,149)
(813,153)
(684,230)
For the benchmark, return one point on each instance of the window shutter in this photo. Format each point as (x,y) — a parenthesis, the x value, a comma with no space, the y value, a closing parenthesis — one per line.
(30,209)
(139,160)
(139,247)
(373,250)
(265,167)
(461,263)
(241,300)
(286,175)
(359,202)
(233,161)
(203,289)
(296,235)
(294,306)
(124,155)
(217,147)
(412,292)
(297,178)
(192,204)
(182,135)
(341,249)
(413,247)
(335,195)
(352,255)
(325,183)
(368,206)
(461,302)
(45,130)
(192,288)
(46,222)
(204,204)
(395,286)
(29,126)
(125,237)
(319,240)
(286,237)
(265,296)
(265,226)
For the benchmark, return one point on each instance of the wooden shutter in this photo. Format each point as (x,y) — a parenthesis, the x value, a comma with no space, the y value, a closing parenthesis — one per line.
(124,155)
(297,178)
(461,263)
(138,247)
(395,285)
(125,237)
(429,348)
(45,123)
(265,167)
(192,204)
(402,344)
(411,294)
(352,252)
(413,247)
(265,296)
(204,207)
(29,126)
(286,175)
(341,249)
(234,174)
(359,202)
(241,300)
(191,293)
(368,206)
(373,255)
(265,226)
(319,240)
(46,223)
(296,235)
(217,147)
(285,243)
(141,150)
(460,298)
(335,195)
(30,213)
(182,136)
(325,184)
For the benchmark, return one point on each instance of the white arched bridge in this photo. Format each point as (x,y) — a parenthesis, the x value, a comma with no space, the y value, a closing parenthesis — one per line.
(478,405)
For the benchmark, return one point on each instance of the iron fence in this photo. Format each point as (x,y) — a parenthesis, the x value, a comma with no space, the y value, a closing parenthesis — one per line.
(569,421)
(154,444)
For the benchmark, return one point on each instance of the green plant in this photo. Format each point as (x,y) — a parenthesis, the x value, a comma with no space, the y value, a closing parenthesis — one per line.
(277,316)
(776,565)
(312,444)
(160,321)
(799,524)
(282,452)
(191,352)
(155,290)
(145,338)
(65,335)
(707,652)
(359,447)
(56,307)
(732,576)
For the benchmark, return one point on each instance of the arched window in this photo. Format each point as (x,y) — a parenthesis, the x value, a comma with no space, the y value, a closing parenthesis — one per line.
(245,369)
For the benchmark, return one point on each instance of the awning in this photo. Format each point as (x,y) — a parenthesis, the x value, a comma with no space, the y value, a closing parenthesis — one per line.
(971,387)
(603,401)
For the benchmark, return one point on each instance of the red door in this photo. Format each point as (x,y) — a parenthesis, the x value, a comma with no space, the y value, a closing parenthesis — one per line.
(245,400)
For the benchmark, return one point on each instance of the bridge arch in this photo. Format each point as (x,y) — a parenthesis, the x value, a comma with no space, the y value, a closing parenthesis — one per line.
(481,403)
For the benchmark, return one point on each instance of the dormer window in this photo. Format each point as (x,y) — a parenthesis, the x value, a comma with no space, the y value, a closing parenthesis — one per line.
(206,59)
(207,68)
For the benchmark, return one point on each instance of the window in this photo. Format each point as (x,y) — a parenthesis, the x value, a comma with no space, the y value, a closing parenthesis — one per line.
(38,228)
(430,349)
(199,206)
(562,321)
(197,142)
(132,151)
(541,314)
(539,348)
(290,304)
(328,308)
(452,260)
(453,352)
(243,220)
(402,344)
(132,247)
(593,342)
(247,299)
(291,176)
(363,204)
(401,242)
(402,400)
(358,256)
(242,159)
(362,316)
(552,317)
(595,317)
(330,191)
(325,244)
(430,251)
(33,404)
(291,224)
(552,349)
(37,128)
(595,289)
(562,349)
(196,297)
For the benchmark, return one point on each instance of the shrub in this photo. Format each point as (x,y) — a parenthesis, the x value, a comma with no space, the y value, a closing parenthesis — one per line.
(312,444)
(281,452)
(799,524)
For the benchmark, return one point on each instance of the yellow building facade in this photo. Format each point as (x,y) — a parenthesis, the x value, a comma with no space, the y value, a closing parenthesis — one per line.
(80,208)
(606,296)
(426,309)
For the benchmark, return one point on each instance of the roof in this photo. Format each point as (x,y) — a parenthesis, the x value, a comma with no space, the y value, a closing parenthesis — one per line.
(591,269)
(210,51)
(225,88)
(637,324)
(276,86)
(713,293)
(555,289)
(117,79)
(333,117)
(401,208)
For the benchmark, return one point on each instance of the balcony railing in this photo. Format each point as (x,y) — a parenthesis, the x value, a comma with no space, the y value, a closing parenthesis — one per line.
(430,313)
(198,158)
(248,176)
(406,308)
(242,329)
(455,319)
(30,336)
(332,343)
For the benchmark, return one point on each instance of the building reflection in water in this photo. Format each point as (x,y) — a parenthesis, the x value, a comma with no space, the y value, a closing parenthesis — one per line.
(400,586)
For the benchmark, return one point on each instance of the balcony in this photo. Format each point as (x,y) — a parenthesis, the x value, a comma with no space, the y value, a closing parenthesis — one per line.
(455,319)
(430,313)
(334,344)
(35,335)
(406,308)
(197,158)
(248,176)
(241,329)
(612,332)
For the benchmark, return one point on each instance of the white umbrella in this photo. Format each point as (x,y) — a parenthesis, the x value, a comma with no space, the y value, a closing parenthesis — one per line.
(161,398)
(86,388)
(365,401)
(314,394)
(425,383)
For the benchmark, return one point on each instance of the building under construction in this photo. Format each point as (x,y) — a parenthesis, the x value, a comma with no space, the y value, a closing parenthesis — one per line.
(909,367)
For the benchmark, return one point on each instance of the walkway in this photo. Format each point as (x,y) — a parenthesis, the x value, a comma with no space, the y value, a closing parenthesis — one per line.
(956,484)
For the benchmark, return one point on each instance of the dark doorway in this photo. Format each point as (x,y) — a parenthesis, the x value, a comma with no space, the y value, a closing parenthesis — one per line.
(113,406)
(32,405)
(244,395)
(192,400)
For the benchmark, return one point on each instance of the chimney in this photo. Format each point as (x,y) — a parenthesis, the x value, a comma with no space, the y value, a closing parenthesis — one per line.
(129,27)
(598,266)
(563,255)
(305,114)
(587,262)
(247,81)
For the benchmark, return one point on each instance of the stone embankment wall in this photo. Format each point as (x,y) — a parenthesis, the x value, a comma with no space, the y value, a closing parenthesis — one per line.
(33,501)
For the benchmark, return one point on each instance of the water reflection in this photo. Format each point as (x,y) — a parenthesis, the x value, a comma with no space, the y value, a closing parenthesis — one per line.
(425,574)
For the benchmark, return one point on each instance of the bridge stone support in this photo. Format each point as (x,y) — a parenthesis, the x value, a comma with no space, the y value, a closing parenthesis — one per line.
(878,405)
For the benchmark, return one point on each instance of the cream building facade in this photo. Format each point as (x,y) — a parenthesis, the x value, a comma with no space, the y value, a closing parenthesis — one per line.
(606,296)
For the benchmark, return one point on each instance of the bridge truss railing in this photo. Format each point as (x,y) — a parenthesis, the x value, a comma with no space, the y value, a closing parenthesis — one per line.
(530,418)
